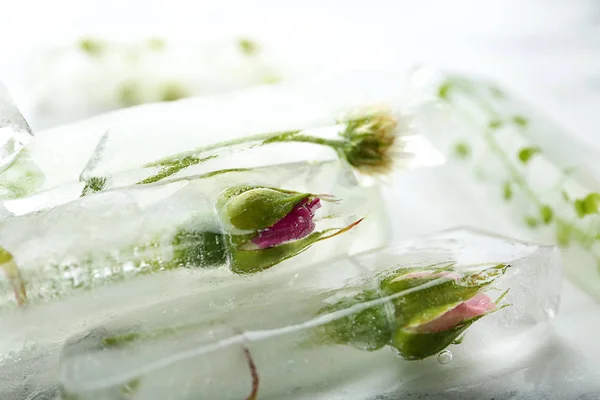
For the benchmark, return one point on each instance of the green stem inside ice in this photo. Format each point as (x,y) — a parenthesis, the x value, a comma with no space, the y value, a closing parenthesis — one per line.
(177,162)
(565,229)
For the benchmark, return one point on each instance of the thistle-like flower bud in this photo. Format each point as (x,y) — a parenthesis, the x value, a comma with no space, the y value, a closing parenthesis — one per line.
(369,141)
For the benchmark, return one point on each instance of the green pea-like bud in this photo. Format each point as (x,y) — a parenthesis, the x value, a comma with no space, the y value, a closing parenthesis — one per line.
(254,207)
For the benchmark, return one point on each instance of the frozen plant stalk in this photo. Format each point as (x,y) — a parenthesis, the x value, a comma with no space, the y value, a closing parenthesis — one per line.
(258,127)
(176,238)
(546,181)
(357,326)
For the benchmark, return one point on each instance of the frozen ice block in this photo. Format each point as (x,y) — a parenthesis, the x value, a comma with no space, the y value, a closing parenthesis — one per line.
(96,74)
(256,127)
(431,314)
(84,262)
(519,165)
(116,235)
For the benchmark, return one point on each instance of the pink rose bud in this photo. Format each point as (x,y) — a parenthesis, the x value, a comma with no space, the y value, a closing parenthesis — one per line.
(294,226)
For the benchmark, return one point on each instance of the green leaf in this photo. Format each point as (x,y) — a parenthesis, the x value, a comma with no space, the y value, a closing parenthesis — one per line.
(495,124)
(248,46)
(532,222)
(462,150)
(563,233)
(497,92)
(444,90)
(171,167)
(173,91)
(93,185)
(565,196)
(520,121)
(91,46)
(129,94)
(156,44)
(587,205)
(526,153)
(119,340)
(547,214)
(507,191)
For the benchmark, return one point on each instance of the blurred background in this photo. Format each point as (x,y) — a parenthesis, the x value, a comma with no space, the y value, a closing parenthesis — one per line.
(67,59)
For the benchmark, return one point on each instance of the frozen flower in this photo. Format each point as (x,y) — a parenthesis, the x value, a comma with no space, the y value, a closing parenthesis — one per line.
(427,310)
(368,140)
(261,227)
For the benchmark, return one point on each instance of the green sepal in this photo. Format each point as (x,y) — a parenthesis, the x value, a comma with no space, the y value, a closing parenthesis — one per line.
(413,345)
(252,261)
(248,261)
(427,303)
(254,208)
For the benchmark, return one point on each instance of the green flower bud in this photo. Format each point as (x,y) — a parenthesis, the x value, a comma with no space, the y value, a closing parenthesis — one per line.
(417,346)
(254,208)
(420,318)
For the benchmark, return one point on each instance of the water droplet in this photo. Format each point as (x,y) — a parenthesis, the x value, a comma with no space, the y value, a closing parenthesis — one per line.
(445,357)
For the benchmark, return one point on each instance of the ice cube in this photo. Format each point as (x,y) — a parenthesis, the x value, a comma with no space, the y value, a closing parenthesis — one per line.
(86,260)
(19,176)
(137,137)
(525,175)
(344,329)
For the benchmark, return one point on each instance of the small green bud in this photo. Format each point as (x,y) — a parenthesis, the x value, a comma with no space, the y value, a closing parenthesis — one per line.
(527,153)
(254,208)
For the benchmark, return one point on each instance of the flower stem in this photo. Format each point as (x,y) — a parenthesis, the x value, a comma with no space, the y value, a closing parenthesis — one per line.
(585,239)
(177,162)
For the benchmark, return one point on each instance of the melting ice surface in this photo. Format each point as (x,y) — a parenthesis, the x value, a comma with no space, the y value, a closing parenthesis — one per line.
(14,131)
(175,350)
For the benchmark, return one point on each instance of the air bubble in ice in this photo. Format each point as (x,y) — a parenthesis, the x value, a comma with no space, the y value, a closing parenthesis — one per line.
(445,357)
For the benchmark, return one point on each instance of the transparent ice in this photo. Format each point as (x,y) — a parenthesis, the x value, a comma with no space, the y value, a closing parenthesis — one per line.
(117,145)
(194,346)
(115,235)
(527,177)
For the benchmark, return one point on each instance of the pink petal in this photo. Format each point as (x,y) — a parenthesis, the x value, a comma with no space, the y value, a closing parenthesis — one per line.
(479,304)
(296,225)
